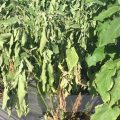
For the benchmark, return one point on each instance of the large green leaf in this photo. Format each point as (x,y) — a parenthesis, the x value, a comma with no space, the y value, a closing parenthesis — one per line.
(108,32)
(115,92)
(107,13)
(104,112)
(71,58)
(104,81)
(98,55)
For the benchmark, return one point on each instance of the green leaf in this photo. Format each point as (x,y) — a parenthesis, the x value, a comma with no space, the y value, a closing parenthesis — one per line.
(2,6)
(5,36)
(1,60)
(29,65)
(71,58)
(11,43)
(115,92)
(55,49)
(107,13)
(108,32)
(10,76)
(17,35)
(17,62)
(5,97)
(5,59)
(22,107)
(99,2)
(1,44)
(24,55)
(43,40)
(104,81)
(24,38)
(43,76)
(51,74)
(9,21)
(98,55)
(17,50)
(104,112)
(119,1)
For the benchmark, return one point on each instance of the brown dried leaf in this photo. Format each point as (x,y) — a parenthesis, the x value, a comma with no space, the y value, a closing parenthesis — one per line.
(76,103)
(62,100)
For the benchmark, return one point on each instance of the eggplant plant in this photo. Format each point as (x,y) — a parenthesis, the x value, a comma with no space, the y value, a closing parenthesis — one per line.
(66,46)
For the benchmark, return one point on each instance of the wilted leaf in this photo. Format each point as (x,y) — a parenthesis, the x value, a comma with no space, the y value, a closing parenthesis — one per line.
(5,97)
(21,92)
(24,38)
(51,74)
(43,76)
(43,40)
(71,58)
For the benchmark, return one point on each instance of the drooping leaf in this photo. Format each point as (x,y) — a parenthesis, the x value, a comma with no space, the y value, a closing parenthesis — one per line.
(43,40)
(71,58)
(5,97)
(17,50)
(24,38)
(29,65)
(51,74)
(22,107)
(43,76)
(10,76)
